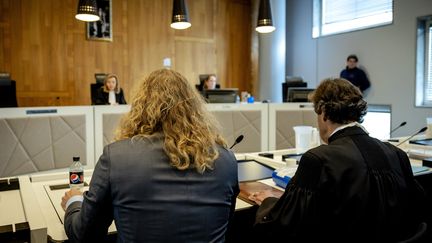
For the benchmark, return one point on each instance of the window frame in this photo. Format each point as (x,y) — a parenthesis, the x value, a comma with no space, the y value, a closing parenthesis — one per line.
(424,62)
(319,29)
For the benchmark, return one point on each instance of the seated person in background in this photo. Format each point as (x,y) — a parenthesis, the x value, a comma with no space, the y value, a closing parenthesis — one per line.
(210,82)
(110,93)
(169,177)
(354,74)
(355,189)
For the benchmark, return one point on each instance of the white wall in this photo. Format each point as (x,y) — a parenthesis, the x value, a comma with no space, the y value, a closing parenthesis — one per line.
(272,56)
(387,54)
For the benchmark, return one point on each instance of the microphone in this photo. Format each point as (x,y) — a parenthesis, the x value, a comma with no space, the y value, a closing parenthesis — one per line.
(396,128)
(420,131)
(238,140)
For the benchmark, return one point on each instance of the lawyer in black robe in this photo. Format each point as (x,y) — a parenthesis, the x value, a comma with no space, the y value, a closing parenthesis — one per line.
(355,189)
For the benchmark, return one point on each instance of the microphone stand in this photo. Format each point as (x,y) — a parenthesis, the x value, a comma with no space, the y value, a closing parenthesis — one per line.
(420,131)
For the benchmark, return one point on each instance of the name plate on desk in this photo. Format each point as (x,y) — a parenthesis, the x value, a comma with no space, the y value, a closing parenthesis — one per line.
(45,111)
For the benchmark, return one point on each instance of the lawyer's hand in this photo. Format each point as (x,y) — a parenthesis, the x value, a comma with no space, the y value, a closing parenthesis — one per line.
(68,195)
(258,197)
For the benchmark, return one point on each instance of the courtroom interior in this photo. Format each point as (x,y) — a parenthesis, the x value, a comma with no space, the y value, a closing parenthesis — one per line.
(72,87)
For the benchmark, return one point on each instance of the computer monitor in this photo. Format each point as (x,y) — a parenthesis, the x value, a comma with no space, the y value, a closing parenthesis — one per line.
(377,121)
(298,94)
(291,84)
(221,95)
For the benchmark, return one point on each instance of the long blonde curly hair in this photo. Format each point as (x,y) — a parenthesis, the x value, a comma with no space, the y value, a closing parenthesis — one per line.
(167,105)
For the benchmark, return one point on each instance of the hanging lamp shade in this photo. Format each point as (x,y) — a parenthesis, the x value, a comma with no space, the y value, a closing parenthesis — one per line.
(265,20)
(180,18)
(87,11)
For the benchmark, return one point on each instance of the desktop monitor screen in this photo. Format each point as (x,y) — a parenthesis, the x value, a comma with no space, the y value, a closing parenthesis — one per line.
(221,95)
(377,121)
(291,84)
(298,94)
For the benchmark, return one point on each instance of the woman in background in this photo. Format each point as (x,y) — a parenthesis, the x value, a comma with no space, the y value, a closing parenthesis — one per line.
(110,93)
(210,82)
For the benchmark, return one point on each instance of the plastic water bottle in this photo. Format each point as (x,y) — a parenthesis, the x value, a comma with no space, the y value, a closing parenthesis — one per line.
(76,174)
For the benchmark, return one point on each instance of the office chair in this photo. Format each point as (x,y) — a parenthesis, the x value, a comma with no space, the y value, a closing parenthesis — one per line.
(100,77)
(93,91)
(418,236)
(7,91)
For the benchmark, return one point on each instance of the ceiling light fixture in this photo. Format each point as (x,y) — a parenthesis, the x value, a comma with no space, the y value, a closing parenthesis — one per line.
(265,20)
(180,19)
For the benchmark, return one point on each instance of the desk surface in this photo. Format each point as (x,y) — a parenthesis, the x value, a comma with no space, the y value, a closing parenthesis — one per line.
(11,208)
(49,200)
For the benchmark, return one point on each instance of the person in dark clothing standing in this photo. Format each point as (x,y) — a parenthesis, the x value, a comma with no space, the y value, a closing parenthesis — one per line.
(354,74)
(354,189)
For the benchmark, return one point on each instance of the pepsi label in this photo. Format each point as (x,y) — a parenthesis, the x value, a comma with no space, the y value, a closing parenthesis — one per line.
(76,177)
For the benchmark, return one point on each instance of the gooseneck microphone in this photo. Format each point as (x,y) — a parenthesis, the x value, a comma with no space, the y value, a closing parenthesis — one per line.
(420,131)
(238,140)
(396,128)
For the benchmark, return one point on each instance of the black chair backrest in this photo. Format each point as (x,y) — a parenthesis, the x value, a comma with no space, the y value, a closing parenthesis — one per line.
(100,77)
(93,91)
(8,93)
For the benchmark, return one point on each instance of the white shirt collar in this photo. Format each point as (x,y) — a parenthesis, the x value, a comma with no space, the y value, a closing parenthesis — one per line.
(352,124)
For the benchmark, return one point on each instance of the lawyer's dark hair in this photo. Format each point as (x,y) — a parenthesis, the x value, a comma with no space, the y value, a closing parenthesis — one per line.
(340,101)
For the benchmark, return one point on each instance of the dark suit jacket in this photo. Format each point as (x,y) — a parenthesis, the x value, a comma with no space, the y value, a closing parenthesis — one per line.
(102,97)
(151,201)
(355,189)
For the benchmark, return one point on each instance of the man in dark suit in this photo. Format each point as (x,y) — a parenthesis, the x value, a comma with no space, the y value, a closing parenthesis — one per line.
(354,189)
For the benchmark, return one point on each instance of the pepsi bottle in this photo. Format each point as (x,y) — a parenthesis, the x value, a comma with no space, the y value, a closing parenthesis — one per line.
(76,174)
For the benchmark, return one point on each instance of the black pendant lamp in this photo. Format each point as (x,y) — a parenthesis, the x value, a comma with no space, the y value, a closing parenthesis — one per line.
(265,20)
(87,11)
(180,18)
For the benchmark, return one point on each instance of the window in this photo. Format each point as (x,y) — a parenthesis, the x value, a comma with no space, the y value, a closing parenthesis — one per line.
(338,16)
(424,62)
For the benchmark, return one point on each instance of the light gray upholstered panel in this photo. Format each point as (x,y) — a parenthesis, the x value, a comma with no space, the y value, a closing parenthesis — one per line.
(286,120)
(110,123)
(40,143)
(233,124)
(247,123)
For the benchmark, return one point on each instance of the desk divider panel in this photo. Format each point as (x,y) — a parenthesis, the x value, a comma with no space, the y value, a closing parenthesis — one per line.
(249,120)
(282,119)
(106,120)
(44,138)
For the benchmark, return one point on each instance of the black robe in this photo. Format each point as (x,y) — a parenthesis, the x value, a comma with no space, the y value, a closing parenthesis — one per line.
(102,97)
(356,189)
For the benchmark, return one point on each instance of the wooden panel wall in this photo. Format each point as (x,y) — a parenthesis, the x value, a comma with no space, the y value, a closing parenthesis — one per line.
(45,49)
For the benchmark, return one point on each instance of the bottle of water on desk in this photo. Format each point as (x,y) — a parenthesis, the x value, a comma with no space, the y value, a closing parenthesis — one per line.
(76,174)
